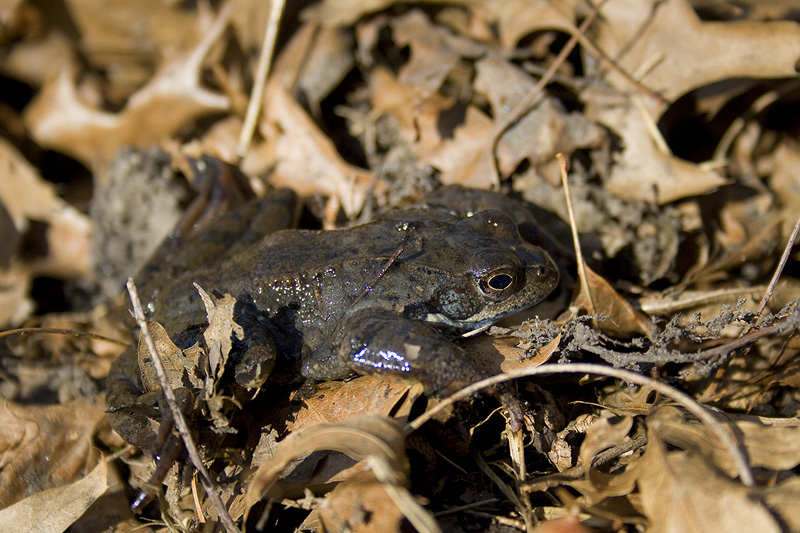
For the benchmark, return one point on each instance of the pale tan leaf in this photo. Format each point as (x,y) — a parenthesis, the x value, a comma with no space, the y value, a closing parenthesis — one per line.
(176,364)
(335,402)
(357,437)
(644,172)
(517,18)
(684,52)
(416,114)
(598,297)
(547,130)
(435,52)
(682,493)
(306,159)
(466,159)
(55,509)
(173,97)
(15,303)
(782,499)
(775,448)
(44,446)
(343,12)
(514,18)
(364,507)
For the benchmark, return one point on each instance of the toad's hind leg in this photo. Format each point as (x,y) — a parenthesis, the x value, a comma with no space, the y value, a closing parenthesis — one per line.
(216,239)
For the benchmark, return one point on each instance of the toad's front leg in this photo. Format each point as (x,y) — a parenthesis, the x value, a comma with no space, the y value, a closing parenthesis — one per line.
(387,344)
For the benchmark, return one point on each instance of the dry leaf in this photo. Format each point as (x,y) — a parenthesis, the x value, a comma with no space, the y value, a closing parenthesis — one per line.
(364,507)
(756,247)
(567,524)
(598,486)
(547,130)
(171,99)
(466,159)
(55,509)
(335,402)
(515,18)
(356,437)
(417,115)
(44,446)
(305,159)
(314,62)
(784,183)
(775,448)
(219,334)
(669,49)
(682,493)
(598,297)
(435,51)
(27,197)
(782,499)
(642,171)
(15,302)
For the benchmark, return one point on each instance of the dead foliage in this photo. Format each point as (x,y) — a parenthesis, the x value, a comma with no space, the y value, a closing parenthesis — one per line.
(676,119)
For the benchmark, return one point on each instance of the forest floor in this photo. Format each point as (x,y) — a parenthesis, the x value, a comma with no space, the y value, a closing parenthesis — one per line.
(658,384)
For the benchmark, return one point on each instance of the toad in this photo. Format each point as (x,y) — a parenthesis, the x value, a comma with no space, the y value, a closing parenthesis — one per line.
(387,297)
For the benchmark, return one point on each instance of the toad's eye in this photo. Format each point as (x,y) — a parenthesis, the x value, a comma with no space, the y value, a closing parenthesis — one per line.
(497,273)
(498,284)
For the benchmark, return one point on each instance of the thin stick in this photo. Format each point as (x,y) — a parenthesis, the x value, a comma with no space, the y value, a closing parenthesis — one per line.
(371,285)
(779,270)
(714,385)
(180,421)
(61,331)
(260,81)
(612,64)
(562,163)
(524,105)
(727,437)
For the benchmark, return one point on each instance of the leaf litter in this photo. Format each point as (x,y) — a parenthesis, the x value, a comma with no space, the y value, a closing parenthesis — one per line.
(672,118)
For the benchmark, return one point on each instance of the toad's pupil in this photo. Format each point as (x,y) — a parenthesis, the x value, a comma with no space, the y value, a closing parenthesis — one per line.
(500,281)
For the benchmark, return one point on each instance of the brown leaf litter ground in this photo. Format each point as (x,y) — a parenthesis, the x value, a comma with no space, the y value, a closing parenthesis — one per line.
(659,383)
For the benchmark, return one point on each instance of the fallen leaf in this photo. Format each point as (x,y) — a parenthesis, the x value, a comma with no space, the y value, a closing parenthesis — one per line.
(335,402)
(642,171)
(435,51)
(567,524)
(27,197)
(666,46)
(465,159)
(774,448)
(177,365)
(15,301)
(545,131)
(756,247)
(517,18)
(314,62)
(362,506)
(356,437)
(55,509)
(58,119)
(44,446)
(514,18)
(418,122)
(597,297)
(304,158)
(681,492)
(782,499)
